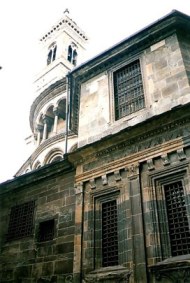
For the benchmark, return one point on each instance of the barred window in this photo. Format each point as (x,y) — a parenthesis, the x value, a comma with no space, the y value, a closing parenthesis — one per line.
(128,90)
(21,221)
(109,234)
(46,230)
(177,219)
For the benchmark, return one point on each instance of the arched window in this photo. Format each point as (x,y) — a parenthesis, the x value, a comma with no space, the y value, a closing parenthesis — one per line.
(52,53)
(72,54)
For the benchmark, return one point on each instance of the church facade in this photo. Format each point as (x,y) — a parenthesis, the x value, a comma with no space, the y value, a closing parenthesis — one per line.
(116,206)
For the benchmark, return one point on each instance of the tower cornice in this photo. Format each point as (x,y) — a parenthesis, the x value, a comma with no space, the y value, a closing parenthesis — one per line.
(65,21)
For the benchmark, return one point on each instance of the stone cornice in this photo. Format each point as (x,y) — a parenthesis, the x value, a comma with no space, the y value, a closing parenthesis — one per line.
(128,161)
(156,136)
(142,134)
(44,172)
(52,91)
(65,21)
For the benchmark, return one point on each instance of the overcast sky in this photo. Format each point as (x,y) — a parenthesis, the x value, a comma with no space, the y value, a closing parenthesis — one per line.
(23,22)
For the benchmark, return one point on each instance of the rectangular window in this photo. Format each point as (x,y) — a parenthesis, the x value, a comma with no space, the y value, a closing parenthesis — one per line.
(21,221)
(109,234)
(46,230)
(128,90)
(177,219)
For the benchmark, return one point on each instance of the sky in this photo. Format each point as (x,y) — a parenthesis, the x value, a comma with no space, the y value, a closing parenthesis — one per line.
(22,23)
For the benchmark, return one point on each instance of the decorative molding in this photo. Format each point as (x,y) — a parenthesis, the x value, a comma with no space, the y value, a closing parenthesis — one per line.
(150,164)
(132,170)
(104,180)
(175,269)
(78,188)
(147,140)
(181,154)
(92,183)
(129,160)
(165,160)
(117,175)
(117,274)
(151,139)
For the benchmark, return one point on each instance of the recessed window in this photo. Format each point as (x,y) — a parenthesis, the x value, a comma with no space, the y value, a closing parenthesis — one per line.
(21,221)
(128,90)
(72,54)
(109,234)
(51,54)
(177,219)
(46,230)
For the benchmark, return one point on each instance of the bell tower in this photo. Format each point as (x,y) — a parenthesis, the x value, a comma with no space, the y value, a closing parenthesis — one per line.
(62,48)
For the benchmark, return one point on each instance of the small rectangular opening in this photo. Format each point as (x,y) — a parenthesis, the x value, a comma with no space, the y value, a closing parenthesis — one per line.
(46,230)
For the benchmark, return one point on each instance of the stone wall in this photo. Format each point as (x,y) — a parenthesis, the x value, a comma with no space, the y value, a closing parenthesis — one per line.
(131,167)
(28,259)
(164,67)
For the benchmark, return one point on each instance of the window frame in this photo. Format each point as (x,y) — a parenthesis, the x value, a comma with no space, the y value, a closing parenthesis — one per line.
(111,73)
(174,251)
(159,210)
(98,201)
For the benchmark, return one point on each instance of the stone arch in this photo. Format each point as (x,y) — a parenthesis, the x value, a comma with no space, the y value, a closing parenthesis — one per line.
(54,155)
(37,165)
(74,147)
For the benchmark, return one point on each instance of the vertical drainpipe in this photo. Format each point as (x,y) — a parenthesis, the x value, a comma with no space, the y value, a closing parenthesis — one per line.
(67,112)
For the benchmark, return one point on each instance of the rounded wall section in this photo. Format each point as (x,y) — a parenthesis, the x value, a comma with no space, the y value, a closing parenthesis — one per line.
(49,96)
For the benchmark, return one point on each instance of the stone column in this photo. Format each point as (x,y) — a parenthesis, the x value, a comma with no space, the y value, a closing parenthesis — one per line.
(45,121)
(56,113)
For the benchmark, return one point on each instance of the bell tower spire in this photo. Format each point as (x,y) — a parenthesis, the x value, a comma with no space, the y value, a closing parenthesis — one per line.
(62,48)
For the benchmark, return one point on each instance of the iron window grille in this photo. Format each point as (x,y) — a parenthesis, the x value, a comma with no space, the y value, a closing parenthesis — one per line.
(21,221)
(177,219)
(128,90)
(46,230)
(109,234)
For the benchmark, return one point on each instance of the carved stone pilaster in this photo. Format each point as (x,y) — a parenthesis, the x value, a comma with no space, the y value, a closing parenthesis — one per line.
(78,188)
(132,170)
